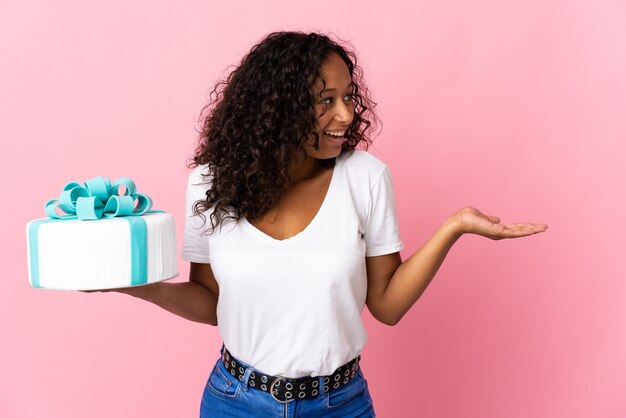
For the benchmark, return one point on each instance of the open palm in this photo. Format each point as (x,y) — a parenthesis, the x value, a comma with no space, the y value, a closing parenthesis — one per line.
(474,221)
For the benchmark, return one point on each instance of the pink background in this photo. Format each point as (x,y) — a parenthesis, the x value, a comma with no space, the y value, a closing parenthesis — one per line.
(514,107)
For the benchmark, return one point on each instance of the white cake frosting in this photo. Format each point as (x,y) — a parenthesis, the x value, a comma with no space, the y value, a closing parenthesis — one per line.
(98,254)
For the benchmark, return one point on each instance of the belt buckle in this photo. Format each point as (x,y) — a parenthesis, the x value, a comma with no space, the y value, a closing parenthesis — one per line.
(278,379)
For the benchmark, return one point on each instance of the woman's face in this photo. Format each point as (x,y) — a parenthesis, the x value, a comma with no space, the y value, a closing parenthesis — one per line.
(335,102)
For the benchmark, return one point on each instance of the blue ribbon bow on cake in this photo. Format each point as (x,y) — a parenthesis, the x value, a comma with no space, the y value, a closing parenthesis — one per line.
(98,198)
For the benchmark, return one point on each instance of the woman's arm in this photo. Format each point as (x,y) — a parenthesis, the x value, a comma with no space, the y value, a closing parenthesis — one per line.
(394,286)
(195,300)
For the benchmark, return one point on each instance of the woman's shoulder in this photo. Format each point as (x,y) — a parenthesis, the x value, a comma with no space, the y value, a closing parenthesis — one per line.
(362,162)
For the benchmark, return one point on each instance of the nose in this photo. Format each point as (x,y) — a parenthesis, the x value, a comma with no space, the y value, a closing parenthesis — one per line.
(344,112)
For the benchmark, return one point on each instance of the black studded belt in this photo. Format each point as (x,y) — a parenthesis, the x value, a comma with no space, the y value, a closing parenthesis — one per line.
(286,390)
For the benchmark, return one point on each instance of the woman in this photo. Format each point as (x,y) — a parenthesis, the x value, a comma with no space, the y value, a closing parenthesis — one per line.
(294,230)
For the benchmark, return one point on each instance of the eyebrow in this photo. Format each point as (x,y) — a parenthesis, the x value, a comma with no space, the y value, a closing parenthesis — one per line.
(351,84)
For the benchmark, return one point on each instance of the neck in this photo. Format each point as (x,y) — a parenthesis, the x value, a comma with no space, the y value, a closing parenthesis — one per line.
(303,167)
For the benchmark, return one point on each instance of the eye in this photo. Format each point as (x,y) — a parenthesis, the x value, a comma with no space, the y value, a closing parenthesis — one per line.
(328,100)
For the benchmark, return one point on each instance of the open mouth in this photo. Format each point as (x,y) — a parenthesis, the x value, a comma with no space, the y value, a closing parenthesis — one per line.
(338,134)
(334,138)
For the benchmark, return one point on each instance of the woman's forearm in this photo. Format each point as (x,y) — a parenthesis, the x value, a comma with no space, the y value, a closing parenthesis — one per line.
(414,275)
(189,300)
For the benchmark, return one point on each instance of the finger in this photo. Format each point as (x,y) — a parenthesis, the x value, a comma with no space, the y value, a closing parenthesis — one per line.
(526,226)
(531,225)
(517,232)
(536,228)
(520,230)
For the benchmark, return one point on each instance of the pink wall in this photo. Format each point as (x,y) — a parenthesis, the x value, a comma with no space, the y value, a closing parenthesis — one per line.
(516,108)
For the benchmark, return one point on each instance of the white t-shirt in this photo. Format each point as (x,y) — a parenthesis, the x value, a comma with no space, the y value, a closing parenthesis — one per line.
(293,307)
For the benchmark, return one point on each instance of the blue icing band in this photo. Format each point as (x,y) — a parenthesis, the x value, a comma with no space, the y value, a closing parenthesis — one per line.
(33,244)
(138,250)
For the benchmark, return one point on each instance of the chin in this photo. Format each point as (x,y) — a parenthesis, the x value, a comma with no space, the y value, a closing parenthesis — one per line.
(329,153)
(326,150)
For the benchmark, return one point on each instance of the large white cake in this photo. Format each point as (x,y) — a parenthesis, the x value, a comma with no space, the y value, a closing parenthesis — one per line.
(101,254)
(105,238)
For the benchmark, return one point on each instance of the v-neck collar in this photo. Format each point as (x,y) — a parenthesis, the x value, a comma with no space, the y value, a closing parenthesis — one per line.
(311,225)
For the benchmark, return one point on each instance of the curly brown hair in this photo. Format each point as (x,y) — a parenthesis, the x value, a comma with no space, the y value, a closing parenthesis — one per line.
(260,114)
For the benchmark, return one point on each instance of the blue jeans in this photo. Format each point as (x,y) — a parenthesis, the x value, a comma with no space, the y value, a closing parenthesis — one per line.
(225,396)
